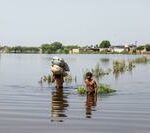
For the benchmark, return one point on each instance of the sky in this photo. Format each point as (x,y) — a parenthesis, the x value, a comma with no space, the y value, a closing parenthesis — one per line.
(74,22)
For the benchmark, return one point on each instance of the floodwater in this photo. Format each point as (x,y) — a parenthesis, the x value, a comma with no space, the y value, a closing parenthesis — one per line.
(29,107)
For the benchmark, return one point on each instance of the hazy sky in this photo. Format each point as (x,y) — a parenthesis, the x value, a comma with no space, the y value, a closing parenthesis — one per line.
(82,22)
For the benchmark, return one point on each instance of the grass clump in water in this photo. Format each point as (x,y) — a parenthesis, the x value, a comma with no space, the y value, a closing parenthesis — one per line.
(81,90)
(97,71)
(48,79)
(119,66)
(130,66)
(101,89)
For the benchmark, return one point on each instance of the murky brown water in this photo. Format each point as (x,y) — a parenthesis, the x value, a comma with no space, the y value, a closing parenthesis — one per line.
(28,107)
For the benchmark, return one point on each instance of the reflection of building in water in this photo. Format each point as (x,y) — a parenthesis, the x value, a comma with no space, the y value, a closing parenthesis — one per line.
(91,100)
(59,105)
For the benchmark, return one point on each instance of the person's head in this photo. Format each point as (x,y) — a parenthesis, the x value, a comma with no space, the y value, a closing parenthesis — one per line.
(89,75)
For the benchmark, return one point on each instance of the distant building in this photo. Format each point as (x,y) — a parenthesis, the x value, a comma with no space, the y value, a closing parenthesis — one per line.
(117,49)
(92,49)
(74,51)
(104,49)
(130,48)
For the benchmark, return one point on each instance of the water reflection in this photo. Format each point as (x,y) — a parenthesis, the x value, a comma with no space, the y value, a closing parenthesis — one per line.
(59,105)
(105,60)
(91,101)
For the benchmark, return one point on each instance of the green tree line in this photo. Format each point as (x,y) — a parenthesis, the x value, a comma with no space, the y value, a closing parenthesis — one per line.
(58,47)
(21,49)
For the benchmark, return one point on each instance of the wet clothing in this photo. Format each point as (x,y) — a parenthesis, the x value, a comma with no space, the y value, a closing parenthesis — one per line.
(59,80)
(90,85)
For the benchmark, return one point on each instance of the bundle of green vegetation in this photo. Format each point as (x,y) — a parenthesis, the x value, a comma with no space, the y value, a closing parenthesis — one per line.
(101,89)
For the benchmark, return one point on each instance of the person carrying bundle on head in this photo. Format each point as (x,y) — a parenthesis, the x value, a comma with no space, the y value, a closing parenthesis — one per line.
(59,69)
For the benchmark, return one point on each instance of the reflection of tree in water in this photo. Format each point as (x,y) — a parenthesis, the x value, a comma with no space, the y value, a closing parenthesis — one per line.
(105,60)
(91,101)
(59,105)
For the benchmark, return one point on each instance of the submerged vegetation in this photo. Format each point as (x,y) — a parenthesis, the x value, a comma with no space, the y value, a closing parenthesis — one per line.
(45,78)
(48,79)
(101,89)
(120,66)
(130,66)
(97,71)
(141,60)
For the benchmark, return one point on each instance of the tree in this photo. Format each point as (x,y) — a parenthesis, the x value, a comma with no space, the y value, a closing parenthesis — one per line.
(52,48)
(147,46)
(105,44)
(56,46)
(140,48)
(45,48)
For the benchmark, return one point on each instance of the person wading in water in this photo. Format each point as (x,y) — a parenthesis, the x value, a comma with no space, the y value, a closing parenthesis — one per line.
(91,98)
(59,69)
(91,85)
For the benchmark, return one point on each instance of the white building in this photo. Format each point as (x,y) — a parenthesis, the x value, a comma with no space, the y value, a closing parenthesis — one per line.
(74,51)
(117,49)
